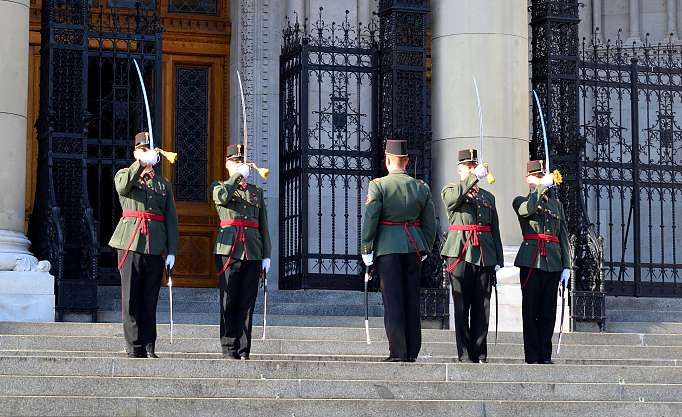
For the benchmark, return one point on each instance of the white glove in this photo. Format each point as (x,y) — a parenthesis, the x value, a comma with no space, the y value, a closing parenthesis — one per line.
(565,275)
(547,180)
(368,259)
(244,170)
(170,261)
(149,157)
(424,257)
(265,265)
(497,268)
(480,171)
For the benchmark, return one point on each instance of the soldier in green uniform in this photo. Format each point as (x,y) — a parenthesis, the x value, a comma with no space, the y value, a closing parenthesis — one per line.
(399,229)
(544,261)
(242,252)
(146,234)
(472,254)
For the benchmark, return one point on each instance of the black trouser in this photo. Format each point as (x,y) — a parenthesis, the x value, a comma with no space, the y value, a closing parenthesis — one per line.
(471,287)
(238,291)
(140,283)
(539,313)
(400,276)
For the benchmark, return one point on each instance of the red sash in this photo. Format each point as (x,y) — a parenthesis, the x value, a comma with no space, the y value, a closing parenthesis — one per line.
(472,231)
(540,248)
(241,225)
(141,225)
(406,226)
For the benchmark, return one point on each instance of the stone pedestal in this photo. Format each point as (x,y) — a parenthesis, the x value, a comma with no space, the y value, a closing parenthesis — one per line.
(26,287)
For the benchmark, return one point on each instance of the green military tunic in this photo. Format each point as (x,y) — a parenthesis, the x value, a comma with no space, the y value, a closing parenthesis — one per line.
(235,203)
(398,197)
(147,193)
(540,214)
(479,210)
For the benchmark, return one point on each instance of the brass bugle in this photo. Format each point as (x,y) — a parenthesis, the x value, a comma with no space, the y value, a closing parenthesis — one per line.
(490,177)
(170,156)
(263,172)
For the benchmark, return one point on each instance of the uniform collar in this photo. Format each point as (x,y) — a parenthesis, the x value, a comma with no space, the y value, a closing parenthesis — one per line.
(148,174)
(398,171)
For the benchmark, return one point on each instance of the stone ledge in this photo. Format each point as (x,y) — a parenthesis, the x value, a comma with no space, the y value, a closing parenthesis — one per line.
(27,307)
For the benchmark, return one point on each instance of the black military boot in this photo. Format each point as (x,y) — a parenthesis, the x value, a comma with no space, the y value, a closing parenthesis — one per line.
(149,348)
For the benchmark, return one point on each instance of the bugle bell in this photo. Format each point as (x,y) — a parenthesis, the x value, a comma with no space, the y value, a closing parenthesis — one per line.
(170,156)
(490,177)
(263,172)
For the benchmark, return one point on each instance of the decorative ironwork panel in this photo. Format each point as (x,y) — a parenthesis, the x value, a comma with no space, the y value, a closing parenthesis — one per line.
(209,7)
(328,128)
(555,77)
(90,108)
(630,100)
(117,110)
(191,133)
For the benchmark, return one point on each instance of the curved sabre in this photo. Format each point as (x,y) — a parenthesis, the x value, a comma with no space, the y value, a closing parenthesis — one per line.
(544,130)
(241,94)
(480,120)
(146,105)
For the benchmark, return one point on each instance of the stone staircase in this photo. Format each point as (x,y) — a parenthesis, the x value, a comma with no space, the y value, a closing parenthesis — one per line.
(75,369)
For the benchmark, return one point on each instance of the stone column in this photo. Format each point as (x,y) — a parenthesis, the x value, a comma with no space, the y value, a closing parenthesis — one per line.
(671,11)
(486,39)
(597,19)
(297,6)
(586,25)
(26,289)
(634,22)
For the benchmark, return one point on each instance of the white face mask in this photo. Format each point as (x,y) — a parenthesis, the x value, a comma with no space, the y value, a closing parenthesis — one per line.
(149,157)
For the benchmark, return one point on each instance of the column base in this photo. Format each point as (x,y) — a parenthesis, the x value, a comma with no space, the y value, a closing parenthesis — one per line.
(26,286)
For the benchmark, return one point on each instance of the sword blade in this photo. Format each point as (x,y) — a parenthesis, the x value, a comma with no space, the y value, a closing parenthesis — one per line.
(544,129)
(265,304)
(367,277)
(561,323)
(241,94)
(480,121)
(146,105)
(170,303)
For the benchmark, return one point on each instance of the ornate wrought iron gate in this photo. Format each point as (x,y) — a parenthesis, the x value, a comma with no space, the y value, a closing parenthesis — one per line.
(630,103)
(345,89)
(89,106)
(612,115)
(328,150)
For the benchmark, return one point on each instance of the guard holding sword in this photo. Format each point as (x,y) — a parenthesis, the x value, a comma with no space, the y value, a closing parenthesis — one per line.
(472,253)
(399,229)
(242,252)
(543,258)
(146,234)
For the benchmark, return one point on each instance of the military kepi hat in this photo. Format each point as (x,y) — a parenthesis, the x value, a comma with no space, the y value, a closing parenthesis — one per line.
(396,147)
(234,151)
(142,139)
(535,167)
(467,156)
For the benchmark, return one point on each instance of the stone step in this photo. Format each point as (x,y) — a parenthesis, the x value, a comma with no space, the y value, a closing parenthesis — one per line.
(357,334)
(326,347)
(273,319)
(199,387)
(84,406)
(336,370)
(653,316)
(306,309)
(343,358)
(643,303)
(644,327)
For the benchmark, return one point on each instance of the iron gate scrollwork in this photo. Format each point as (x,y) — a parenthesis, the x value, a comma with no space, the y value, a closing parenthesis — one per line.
(90,108)
(630,99)
(555,77)
(328,150)
(344,90)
